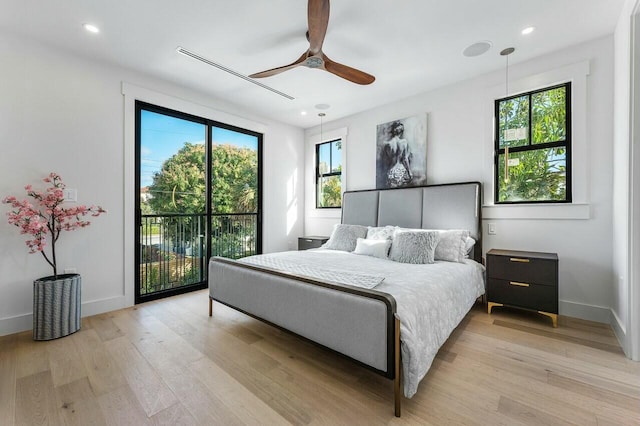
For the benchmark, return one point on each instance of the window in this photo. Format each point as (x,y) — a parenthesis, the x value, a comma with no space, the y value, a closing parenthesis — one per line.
(329,174)
(533,147)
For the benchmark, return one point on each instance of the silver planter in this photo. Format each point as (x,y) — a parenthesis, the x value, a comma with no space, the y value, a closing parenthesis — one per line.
(56,306)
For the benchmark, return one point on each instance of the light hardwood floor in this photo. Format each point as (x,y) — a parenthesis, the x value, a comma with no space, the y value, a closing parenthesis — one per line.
(168,363)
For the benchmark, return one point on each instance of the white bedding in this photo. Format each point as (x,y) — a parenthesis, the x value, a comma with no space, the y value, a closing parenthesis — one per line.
(431,299)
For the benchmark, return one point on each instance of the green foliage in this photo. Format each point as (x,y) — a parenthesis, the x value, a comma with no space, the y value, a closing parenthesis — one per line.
(234,179)
(330,192)
(548,116)
(179,186)
(514,114)
(540,176)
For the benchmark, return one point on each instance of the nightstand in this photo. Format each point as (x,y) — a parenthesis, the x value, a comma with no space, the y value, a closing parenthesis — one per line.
(312,241)
(523,279)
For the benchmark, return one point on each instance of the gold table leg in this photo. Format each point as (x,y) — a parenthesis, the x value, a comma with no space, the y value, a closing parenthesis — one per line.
(554,317)
(490,306)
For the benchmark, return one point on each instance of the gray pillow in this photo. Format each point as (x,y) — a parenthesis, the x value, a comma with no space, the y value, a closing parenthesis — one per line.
(413,246)
(380,232)
(345,237)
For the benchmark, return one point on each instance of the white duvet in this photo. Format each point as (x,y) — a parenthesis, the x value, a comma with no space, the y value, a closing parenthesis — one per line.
(431,299)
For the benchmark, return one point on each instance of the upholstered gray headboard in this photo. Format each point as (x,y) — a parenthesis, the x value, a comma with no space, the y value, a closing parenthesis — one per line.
(447,206)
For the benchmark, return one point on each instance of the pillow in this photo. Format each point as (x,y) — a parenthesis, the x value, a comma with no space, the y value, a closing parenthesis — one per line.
(380,232)
(410,246)
(468,246)
(375,248)
(452,245)
(344,237)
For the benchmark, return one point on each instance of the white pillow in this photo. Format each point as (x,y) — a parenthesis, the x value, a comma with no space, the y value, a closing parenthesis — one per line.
(375,248)
(452,245)
(468,245)
(380,232)
(344,237)
(413,246)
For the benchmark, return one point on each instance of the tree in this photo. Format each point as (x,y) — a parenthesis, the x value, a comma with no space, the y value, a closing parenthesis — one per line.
(179,186)
(234,179)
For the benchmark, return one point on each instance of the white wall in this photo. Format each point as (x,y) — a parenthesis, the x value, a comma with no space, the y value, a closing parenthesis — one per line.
(621,147)
(460,148)
(62,113)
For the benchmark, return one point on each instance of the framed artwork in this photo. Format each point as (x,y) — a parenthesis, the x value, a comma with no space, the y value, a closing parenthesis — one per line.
(401,153)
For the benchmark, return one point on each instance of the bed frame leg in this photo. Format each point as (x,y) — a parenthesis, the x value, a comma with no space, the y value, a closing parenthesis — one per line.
(210,306)
(397,389)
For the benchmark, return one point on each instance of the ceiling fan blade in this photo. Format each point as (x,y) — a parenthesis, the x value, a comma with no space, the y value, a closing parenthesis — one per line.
(318,19)
(278,70)
(346,72)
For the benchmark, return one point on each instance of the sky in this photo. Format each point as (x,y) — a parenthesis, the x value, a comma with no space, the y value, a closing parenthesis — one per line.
(162,136)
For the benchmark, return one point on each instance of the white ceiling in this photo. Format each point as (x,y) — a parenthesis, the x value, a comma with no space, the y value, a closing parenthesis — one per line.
(411,46)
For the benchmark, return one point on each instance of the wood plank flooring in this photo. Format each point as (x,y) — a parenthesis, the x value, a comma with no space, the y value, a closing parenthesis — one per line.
(168,363)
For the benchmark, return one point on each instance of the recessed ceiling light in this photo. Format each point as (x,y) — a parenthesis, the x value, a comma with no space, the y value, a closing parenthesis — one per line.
(528,30)
(322,106)
(477,49)
(91,28)
(303,112)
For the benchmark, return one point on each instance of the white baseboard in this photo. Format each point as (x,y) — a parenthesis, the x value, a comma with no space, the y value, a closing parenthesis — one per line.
(620,331)
(24,322)
(586,312)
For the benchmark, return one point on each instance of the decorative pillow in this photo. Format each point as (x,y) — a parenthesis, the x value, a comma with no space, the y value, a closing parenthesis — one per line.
(380,232)
(468,245)
(345,237)
(452,245)
(413,246)
(375,248)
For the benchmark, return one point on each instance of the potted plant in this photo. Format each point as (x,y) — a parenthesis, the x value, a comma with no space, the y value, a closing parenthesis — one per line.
(56,298)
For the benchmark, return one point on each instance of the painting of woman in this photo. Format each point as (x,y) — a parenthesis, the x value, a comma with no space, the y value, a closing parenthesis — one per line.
(401,153)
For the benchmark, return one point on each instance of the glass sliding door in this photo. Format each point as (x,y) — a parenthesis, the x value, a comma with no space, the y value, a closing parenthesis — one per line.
(235,192)
(198,195)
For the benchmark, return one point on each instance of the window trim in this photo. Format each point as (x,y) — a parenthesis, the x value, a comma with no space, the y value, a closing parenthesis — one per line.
(531,147)
(312,138)
(524,79)
(330,174)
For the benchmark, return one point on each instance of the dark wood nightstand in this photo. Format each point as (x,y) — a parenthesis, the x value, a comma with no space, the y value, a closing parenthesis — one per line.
(312,241)
(523,279)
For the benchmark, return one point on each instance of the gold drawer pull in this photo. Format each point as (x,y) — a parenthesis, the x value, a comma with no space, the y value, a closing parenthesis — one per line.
(517,259)
(518,284)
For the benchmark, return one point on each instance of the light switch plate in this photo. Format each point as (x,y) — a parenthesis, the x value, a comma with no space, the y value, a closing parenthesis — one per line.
(70,194)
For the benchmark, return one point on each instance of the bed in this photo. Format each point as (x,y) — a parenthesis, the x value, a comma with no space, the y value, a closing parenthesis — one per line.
(388,316)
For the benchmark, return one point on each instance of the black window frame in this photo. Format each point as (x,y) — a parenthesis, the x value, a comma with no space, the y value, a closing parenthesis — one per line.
(329,174)
(534,147)
(210,124)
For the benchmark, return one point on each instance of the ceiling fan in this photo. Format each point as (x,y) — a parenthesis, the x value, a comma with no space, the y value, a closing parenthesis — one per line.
(318,17)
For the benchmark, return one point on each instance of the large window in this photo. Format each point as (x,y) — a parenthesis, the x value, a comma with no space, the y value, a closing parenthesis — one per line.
(533,146)
(198,194)
(329,174)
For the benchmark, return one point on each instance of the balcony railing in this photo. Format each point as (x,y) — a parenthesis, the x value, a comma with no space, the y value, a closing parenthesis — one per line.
(173,250)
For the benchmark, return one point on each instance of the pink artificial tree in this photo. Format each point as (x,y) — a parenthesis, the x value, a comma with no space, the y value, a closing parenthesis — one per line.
(46,217)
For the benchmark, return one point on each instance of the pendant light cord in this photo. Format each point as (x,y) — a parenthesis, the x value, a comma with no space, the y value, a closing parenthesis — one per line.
(321,115)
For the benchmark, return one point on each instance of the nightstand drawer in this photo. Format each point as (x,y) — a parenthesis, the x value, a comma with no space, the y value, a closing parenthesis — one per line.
(523,294)
(306,243)
(525,269)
